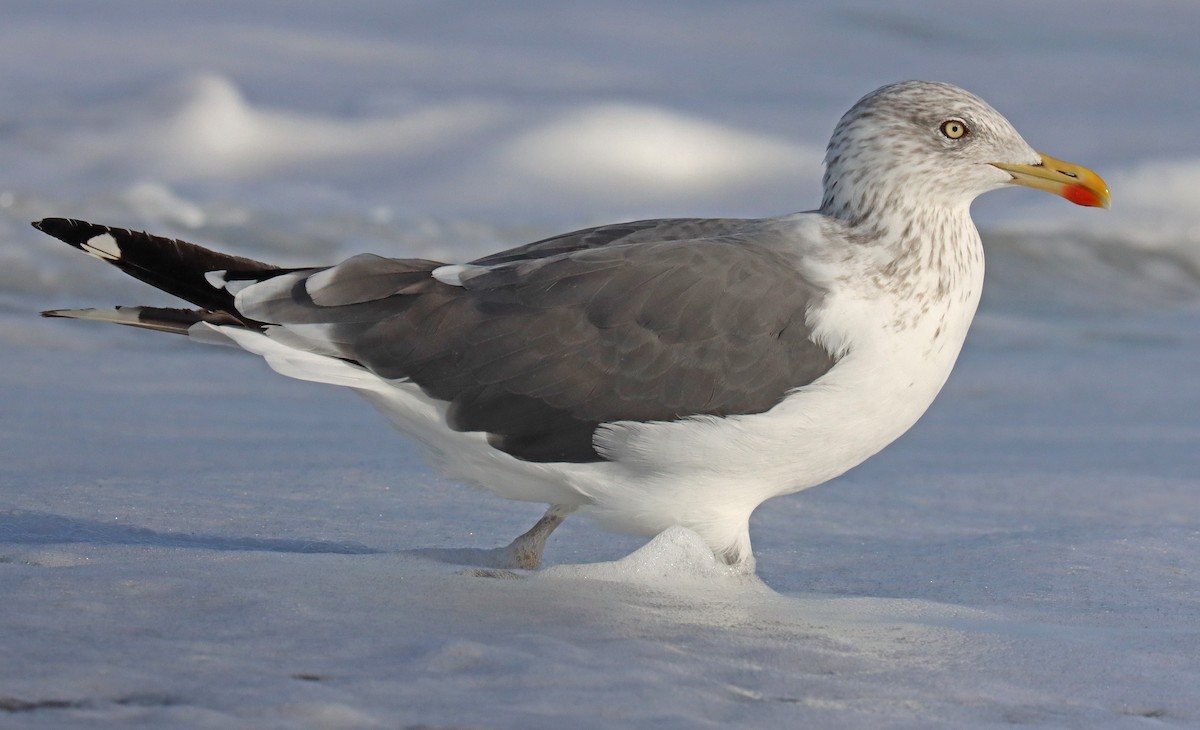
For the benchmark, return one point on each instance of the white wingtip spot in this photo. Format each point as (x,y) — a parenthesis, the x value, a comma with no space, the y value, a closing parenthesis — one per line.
(217,280)
(451,275)
(103,246)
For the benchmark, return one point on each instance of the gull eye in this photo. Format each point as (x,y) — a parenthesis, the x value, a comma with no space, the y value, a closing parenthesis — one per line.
(954,128)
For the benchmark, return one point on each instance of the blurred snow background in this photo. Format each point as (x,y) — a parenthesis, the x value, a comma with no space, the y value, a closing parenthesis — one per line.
(187,540)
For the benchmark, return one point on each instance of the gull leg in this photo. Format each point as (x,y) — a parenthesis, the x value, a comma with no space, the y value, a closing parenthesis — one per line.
(739,556)
(526,551)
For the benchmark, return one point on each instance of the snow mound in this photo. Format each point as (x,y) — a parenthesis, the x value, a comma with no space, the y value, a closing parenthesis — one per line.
(1153,228)
(1157,206)
(611,146)
(676,556)
(203,127)
(215,131)
(155,201)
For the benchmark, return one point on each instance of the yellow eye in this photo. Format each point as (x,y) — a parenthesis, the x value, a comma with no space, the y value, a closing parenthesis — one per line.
(954,129)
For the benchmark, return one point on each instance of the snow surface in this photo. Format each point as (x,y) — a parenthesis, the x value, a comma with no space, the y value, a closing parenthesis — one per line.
(187,540)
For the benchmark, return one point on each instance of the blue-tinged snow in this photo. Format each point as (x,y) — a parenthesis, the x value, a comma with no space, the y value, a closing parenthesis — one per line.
(188,540)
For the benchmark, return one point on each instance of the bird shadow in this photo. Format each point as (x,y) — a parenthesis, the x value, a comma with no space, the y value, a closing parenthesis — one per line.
(498,558)
(39,528)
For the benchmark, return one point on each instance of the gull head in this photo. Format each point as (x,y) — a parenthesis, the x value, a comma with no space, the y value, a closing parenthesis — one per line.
(920,144)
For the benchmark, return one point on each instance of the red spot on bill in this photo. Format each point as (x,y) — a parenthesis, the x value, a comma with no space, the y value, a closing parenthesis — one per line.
(1080,195)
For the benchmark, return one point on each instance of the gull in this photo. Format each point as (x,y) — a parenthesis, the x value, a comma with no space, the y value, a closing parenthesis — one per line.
(655,373)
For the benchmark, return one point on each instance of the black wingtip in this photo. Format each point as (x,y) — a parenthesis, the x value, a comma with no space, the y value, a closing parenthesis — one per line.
(68,230)
(177,267)
(46,225)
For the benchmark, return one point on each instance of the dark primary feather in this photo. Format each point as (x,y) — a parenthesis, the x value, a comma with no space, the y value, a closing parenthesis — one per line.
(642,321)
(177,267)
(159,319)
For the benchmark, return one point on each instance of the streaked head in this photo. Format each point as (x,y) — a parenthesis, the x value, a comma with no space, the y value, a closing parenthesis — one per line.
(934,144)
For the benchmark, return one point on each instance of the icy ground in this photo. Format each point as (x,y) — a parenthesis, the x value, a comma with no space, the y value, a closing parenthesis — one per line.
(189,541)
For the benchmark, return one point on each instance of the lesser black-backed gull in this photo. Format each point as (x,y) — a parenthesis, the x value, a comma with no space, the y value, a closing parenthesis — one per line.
(653,373)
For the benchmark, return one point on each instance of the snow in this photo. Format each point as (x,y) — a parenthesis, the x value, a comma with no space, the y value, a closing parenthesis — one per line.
(189,540)
(646,149)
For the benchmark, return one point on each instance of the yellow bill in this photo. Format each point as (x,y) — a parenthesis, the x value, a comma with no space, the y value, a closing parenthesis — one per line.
(1077,184)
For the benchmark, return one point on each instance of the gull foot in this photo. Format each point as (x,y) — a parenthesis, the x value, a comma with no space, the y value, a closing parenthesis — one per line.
(525,552)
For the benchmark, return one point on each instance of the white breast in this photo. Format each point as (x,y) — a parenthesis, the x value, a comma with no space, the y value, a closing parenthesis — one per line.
(899,345)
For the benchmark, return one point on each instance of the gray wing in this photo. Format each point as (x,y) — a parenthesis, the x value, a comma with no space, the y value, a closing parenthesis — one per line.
(653,230)
(539,348)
